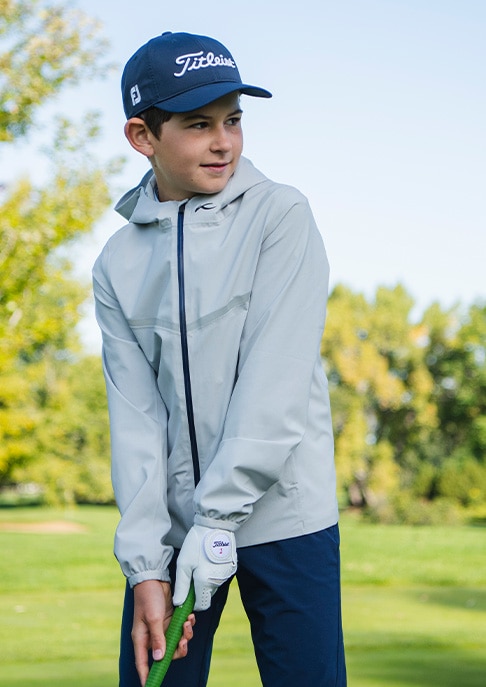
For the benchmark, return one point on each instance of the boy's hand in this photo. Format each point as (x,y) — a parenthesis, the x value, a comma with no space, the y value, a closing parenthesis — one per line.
(208,556)
(151,617)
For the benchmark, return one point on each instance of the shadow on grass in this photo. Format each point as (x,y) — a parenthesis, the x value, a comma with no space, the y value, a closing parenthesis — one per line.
(89,673)
(471,599)
(429,667)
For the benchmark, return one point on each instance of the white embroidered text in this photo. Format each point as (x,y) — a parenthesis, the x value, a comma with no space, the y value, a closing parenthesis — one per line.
(197,60)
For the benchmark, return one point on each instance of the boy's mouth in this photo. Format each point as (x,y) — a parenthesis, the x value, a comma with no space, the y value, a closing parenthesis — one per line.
(216,166)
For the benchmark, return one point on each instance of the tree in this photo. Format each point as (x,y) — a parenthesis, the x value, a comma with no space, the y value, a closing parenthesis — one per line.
(409,402)
(71,461)
(456,355)
(43,48)
(380,389)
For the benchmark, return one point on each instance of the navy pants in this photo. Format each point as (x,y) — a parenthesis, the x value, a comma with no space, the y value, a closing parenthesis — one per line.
(290,590)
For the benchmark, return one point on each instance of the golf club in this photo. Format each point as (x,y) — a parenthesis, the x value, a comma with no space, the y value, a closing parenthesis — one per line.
(172,637)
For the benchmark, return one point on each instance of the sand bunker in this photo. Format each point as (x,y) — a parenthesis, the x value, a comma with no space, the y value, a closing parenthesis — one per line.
(48,527)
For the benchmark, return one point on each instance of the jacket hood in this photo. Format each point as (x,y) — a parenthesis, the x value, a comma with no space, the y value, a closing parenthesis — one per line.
(140,206)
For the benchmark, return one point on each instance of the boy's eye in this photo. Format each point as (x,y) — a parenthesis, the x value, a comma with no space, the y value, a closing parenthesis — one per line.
(234,121)
(199,125)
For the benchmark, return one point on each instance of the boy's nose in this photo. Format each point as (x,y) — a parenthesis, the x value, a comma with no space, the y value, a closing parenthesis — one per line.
(221,140)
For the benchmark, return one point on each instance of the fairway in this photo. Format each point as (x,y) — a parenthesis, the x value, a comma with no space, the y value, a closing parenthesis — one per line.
(414,605)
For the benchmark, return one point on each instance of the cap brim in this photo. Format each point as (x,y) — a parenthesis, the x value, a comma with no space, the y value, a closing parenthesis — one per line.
(199,97)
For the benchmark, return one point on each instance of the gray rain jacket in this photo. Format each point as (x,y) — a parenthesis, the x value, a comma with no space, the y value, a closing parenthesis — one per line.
(256,277)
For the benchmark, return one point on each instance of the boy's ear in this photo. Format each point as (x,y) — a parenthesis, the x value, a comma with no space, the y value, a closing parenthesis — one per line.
(139,137)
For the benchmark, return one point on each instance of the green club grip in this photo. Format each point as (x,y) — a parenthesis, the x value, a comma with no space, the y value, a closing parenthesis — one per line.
(172,637)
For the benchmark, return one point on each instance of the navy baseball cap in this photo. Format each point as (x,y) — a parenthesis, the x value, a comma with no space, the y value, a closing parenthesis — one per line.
(180,72)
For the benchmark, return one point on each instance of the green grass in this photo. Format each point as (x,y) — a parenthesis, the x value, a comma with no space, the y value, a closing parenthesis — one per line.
(414,606)
(59,600)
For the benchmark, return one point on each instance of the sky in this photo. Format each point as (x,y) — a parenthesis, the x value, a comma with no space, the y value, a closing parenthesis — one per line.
(378,116)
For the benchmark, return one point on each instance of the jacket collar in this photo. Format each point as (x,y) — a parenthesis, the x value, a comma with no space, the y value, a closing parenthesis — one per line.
(140,206)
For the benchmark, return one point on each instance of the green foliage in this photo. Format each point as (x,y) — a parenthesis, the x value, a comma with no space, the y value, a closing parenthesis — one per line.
(402,507)
(43,48)
(409,402)
(462,480)
(39,299)
(456,355)
(71,461)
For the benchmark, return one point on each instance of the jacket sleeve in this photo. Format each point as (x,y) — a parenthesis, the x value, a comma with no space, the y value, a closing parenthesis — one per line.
(279,351)
(138,428)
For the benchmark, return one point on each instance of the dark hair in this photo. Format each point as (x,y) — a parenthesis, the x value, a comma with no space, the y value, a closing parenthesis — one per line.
(154,118)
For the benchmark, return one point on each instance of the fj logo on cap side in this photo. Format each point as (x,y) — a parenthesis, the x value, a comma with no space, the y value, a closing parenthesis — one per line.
(135,94)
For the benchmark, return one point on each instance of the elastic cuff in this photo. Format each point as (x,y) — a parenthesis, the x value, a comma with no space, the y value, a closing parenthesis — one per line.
(161,575)
(229,525)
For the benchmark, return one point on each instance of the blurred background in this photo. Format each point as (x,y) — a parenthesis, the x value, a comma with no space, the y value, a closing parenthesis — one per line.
(377,116)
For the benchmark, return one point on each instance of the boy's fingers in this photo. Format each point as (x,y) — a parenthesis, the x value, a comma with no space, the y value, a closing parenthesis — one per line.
(152,599)
(187,635)
(158,645)
(188,632)
(181,650)
(141,662)
(156,640)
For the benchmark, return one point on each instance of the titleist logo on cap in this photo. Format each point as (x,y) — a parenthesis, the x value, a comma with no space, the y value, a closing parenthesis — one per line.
(199,60)
(181,72)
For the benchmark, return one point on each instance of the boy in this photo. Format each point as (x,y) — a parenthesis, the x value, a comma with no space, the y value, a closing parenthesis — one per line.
(211,302)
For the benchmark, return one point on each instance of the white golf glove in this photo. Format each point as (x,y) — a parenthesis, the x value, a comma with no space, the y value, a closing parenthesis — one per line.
(208,556)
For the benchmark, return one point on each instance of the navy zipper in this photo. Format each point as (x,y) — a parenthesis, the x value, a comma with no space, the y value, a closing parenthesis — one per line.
(184,347)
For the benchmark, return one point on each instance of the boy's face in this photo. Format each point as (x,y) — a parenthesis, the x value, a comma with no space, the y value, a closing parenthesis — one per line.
(198,151)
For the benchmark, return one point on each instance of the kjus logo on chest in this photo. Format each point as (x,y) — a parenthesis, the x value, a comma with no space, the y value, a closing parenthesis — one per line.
(205,206)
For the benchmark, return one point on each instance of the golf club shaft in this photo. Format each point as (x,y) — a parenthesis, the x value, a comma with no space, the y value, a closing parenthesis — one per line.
(172,637)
